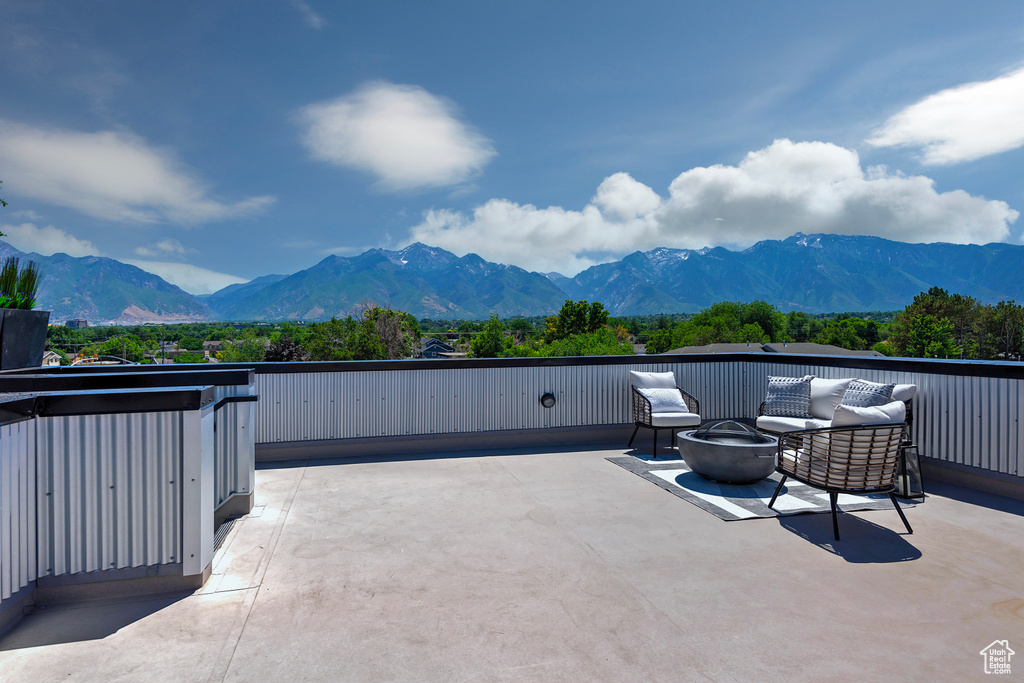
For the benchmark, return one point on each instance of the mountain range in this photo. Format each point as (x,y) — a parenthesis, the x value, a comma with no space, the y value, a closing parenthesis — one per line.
(813,273)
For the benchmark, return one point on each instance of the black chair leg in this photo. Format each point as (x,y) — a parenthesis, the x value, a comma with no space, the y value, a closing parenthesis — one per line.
(892,497)
(632,437)
(777,489)
(832,498)
(654,451)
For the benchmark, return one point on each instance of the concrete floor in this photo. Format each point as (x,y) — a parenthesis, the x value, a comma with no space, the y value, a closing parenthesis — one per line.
(552,567)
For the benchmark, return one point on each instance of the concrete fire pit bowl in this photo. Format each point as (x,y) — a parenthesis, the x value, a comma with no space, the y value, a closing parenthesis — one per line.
(728,452)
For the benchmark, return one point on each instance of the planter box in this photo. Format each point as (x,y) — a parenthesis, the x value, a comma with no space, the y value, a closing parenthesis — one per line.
(22,338)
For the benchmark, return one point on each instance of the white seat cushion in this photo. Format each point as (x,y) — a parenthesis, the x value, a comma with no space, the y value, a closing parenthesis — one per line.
(777,423)
(652,380)
(675,420)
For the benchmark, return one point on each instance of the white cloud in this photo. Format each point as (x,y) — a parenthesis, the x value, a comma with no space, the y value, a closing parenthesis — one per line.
(192,279)
(47,240)
(961,124)
(110,175)
(163,248)
(402,134)
(309,15)
(787,187)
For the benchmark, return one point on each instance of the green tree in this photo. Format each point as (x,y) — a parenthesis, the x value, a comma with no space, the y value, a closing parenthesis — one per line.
(599,343)
(190,357)
(284,350)
(491,342)
(522,330)
(751,332)
(125,346)
(378,334)
(191,343)
(577,317)
(800,327)
(660,341)
(1005,323)
(770,319)
(924,336)
(843,333)
(329,340)
(61,337)
(250,350)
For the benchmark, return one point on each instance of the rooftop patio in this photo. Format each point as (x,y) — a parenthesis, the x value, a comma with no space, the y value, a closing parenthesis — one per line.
(541,565)
(473,532)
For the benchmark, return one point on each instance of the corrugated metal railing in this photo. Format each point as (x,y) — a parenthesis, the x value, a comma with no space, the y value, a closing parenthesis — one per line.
(118,480)
(962,415)
(110,491)
(18,566)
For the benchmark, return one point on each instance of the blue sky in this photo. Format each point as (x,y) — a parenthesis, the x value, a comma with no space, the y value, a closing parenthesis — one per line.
(211,143)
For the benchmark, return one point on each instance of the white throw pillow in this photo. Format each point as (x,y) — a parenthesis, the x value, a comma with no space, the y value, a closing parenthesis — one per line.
(853,416)
(904,392)
(652,380)
(826,394)
(665,400)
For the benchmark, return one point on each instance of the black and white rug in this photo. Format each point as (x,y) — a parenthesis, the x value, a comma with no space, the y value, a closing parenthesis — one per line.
(746,501)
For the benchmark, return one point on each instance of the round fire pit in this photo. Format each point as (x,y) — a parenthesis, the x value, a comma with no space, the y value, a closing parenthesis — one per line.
(729,452)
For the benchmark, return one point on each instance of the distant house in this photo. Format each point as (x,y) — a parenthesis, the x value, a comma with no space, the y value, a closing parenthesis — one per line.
(77,323)
(780,347)
(435,348)
(50,359)
(212,347)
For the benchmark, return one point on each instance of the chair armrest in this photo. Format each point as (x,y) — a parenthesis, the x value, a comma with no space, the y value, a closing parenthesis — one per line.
(641,408)
(692,403)
(761,408)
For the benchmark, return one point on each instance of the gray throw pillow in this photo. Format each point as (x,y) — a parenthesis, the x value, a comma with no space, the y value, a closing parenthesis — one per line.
(789,396)
(862,394)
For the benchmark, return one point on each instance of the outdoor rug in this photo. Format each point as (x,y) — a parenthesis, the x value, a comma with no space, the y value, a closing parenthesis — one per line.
(746,501)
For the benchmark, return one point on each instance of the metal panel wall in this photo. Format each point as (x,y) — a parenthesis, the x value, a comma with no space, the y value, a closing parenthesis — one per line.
(109,491)
(958,418)
(234,445)
(17,507)
(234,451)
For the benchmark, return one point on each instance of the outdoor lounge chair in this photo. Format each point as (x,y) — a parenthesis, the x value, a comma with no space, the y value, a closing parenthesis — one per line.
(858,459)
(659,404)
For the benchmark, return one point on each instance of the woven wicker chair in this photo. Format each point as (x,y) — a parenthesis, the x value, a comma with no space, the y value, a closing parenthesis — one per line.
(858,460)
(647,415)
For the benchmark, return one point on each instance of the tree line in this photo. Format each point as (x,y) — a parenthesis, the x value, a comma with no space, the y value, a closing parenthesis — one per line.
(936,325)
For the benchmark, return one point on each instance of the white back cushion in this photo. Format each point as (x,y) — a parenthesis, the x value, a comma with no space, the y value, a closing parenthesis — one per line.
(826,394)
(852,416)
(652,380)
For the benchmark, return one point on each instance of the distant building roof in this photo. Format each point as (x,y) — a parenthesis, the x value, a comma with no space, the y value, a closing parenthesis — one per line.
(781,347)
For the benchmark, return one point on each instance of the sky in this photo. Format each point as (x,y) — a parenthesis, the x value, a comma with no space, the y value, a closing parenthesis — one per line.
(214,142)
